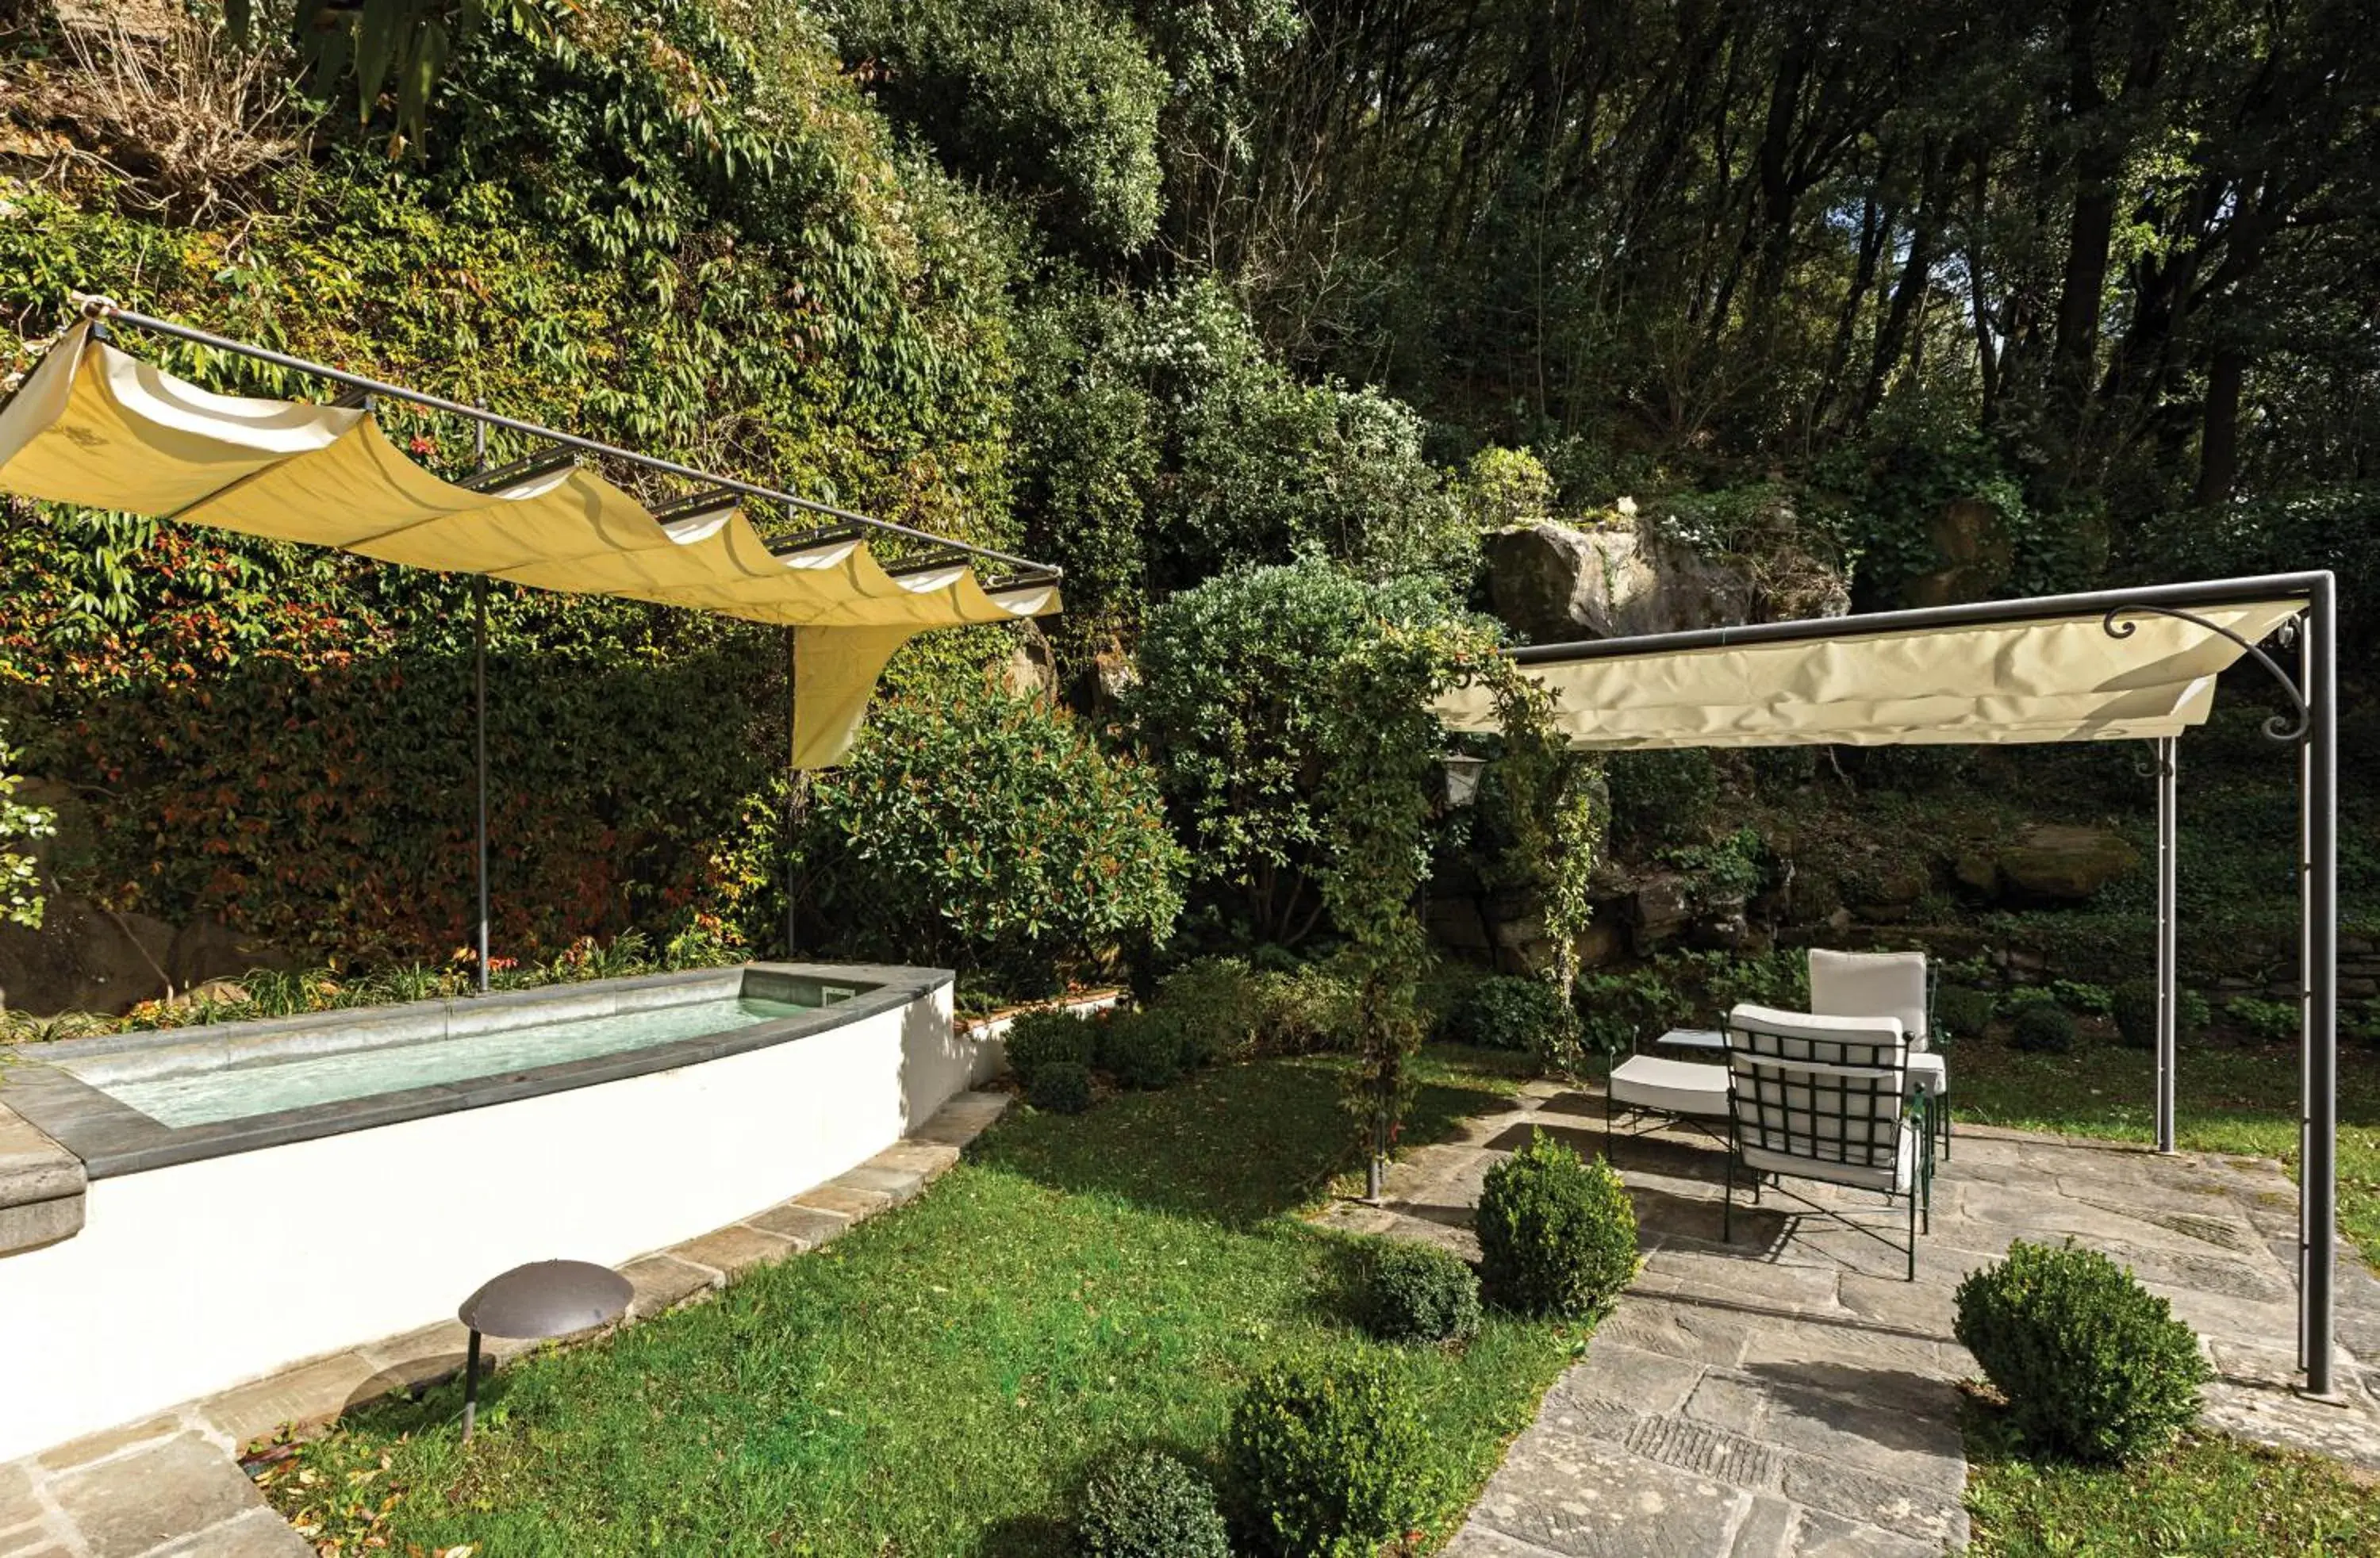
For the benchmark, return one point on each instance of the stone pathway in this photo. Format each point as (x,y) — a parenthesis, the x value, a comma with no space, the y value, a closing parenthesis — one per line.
(171,1486)
(1790,1394)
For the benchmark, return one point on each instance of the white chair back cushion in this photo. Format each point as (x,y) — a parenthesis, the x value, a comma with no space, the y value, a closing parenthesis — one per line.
(1822,1096)
(1871,984)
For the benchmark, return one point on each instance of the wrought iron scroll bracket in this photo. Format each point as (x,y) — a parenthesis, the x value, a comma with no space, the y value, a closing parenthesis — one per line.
(2280,727)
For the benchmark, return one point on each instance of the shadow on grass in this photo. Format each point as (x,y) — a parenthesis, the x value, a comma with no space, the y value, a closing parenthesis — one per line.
(1236,1145)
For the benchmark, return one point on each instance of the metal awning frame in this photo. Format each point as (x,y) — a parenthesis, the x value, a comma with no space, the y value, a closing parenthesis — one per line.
(2313,730)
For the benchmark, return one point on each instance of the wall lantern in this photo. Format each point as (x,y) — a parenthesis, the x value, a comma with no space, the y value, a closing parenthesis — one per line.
(1461,783)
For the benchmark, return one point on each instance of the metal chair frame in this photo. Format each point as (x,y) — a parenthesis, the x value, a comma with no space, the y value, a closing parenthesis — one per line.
(1843,1081)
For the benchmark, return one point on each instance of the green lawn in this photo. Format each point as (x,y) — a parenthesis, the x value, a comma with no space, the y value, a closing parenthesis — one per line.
(2209,1495)
(2242,1100)
(936,1381)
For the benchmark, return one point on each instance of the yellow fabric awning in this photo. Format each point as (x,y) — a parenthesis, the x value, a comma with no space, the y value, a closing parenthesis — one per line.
(2061,678)
(99,428)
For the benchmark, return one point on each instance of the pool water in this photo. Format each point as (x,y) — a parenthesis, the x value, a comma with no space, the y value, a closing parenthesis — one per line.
(265,1086)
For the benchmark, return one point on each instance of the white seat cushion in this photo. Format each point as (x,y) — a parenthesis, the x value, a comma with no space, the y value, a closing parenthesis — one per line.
(1871,984)
(1859,1176)
(1932,1072)
(1679,1087)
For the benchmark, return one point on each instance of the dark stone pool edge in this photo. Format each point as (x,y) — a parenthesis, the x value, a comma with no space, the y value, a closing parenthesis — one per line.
(112,1137)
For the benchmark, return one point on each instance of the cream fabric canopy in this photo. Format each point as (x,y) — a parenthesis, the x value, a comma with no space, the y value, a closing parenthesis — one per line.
(96,427)
(2058,680)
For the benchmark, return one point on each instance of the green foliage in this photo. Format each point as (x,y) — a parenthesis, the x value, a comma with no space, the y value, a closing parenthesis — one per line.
(1556,1234)
(1222,1008)
(1305,1009)
(1145,1504)
(2135,1011)
(20,896)
(1061,1087)
(2079,995)
(1142,1050)
(2093,1364)
(1035,1039)
(1963,1012)
(2273,1022)
(2043,1027)
(1414,1292)
(1723,874)
(1327,1461)
(1662,797)
(1506,1012)
(1238,677)
(1058,99)
(1621,1006)
(991,832)
(1501,488)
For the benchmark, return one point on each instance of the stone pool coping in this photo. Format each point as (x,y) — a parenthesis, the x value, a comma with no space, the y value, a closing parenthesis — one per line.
(111,1137)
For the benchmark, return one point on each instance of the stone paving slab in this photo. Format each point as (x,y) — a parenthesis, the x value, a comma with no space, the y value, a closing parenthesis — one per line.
(170,1486)
(1772,1387)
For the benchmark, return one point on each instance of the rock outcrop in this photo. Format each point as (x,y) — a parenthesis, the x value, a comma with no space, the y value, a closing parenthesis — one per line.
(1554,583)
(2057,860)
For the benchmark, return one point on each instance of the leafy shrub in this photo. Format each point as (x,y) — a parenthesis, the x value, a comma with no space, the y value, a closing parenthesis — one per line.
(2093,1364)
(2271,1021)
(1418,1293)
(1148,1505)
(1328,1460)
(1141,1048)
(2079,995)
(2043,1028)
(982,830)
(1964,1013)
(1213,1005)
(1062,1087)
(1037,1038)
(1662,797)
(1303,1010)
(2135,1011)
(1507,1012)
(1556,1234)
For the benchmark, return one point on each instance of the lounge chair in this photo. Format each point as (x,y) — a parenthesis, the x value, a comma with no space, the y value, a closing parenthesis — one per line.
(1828,1099)
(1890,984)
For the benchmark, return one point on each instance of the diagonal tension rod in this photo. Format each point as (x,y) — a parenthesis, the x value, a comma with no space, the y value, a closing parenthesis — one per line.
(2280,727)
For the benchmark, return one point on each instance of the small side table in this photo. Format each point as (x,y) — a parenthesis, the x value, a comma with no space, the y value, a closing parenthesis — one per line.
(1710,1038)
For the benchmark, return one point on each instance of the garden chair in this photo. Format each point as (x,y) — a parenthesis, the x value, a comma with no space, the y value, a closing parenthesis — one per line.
(1890,984)
(1828,1099)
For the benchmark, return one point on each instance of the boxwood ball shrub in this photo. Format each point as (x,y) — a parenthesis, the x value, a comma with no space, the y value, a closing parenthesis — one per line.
(1327,1461)
(1556,1233)
(1507,1012)
(1040,1038)
(1418,1293)
(1062,1087)
(2043,1028)
(2093,1364)
(1148,1505)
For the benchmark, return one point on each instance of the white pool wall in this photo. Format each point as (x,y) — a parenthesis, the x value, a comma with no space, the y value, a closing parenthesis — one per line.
(192,1279)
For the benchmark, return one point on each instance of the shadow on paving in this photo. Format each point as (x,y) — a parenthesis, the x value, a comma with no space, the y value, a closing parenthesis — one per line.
(1237,1145)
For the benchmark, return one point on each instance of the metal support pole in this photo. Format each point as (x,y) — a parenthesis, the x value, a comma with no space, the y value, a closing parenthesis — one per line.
(480,722)
(792,777)
(2318,1172)
(479,751)
(2305,995)
(2169,973)
(470,1386)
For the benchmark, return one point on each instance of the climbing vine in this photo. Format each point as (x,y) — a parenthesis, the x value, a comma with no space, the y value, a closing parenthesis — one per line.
(20,897)
(1381,742)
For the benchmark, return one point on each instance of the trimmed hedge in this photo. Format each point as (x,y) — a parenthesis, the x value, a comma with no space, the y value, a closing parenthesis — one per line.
(1037,1038)
(1556,1234)
(1418,1293)
(2043,1028)
(1509,1012)
(1327,1461)
(1148,1505)
(1062,1087)
(2094,1366)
